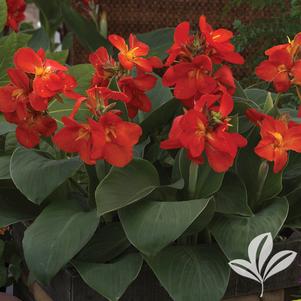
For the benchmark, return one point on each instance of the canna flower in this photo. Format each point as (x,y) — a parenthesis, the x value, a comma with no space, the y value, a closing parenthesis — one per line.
(86,139)
(181,46)
(194,132)
(277,69)
(135,89)
(110,138)
(132,55)
(104,65)
(190,78)
(15,13)
(218,45)
(32,128)
(278,136)
(48,80)
(98,99)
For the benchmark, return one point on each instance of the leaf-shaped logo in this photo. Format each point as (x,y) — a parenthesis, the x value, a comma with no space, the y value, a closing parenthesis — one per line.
(259,250)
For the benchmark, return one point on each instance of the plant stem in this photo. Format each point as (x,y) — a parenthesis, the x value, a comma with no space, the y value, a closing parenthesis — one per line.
(262,289)
(193,178)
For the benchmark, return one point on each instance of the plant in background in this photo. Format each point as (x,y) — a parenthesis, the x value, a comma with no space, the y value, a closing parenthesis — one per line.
(109,165)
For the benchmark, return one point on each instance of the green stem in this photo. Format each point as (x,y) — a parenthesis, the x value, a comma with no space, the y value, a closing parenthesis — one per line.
(193,178)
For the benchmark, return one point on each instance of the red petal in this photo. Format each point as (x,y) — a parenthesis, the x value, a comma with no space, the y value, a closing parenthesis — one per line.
(221,35)
(125,62)
(7,104)
(118,42)
(117,155)
(38,103)
(181,34)
(27,137)
(143,64)
(27,60)
(18,78)
(280,159)
(266,71)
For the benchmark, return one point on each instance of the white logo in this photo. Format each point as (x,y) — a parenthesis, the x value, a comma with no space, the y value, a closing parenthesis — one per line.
(259,250)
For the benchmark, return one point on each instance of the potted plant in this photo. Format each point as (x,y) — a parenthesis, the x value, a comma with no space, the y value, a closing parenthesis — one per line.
(147,157)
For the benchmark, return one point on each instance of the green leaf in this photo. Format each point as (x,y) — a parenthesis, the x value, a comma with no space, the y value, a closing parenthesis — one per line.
(4,167)
(8,46)
(234,233)
(56,236)
(83,74)
(37,176)
(15,208)
(124,186)
(50,14)
(108,242)
(261,97)
(111,279)
(258,176)
(84,29)
(232,197)
(6,127)
(293,168)
(158,40)
(294,214)
(39,40)
(159,117)
(207,181)
(239,92)
(158,96)
(151,226)
(191,273)
(59,56)
(3,14)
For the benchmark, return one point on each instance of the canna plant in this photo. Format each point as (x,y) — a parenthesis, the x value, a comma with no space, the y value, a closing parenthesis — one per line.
(155,157)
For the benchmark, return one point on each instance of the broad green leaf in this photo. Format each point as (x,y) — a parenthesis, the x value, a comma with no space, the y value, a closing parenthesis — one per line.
(84,29)
(151,226)
(158,40)
(191,273)
(83,74)
(56,236)
(3,14)
(39,40)
(15,208)
(37,176)
(8,46)
(239,92)
(293,168)
(294,214)
(158,96)
(258,176)
(4,167)
(111,279)
(232,197)
(161,116)
(108,242)
(207,182)
(6,127)
(124,186)
(234,233)
(50,14)
(260,97)
(59,56)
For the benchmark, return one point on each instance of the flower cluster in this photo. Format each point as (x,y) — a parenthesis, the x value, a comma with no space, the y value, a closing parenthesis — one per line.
(15,13)
(34,83)
(278,136)
(105,135)
(283,66)
(206,93)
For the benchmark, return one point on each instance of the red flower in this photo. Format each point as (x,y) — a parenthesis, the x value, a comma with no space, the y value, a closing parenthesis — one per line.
(193,131)
(47,81)
(120,137)
(105,67)
(132,55)
(86,139)
(182,40)
(30,129)
(218,45)
(277,138)
(135,89)
(15,13)
(190,78)
(277,70)
(110,138)
(98,98)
